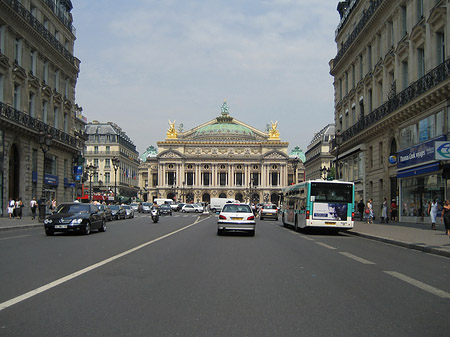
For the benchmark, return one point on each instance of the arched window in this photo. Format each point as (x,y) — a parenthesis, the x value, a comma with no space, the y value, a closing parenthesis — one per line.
(393,148)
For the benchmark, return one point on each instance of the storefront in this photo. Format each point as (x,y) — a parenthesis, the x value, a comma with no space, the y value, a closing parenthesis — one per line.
(420,178)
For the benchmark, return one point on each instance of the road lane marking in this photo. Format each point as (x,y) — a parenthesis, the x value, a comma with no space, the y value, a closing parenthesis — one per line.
(418,284)
(324,245)
(14,237)
(64,279)
(356,258)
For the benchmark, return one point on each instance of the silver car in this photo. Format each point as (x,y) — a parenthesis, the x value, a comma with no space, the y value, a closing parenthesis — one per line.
(189,208)
(129,211)
(236,217)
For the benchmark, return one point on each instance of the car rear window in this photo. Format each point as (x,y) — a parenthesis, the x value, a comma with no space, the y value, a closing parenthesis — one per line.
(236,209)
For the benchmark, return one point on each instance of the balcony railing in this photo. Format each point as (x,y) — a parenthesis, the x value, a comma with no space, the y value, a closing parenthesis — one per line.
(63,18)
(425,83)
(39,27)
(34,124)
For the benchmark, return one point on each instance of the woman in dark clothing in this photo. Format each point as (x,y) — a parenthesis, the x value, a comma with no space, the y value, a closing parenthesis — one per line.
(446,216)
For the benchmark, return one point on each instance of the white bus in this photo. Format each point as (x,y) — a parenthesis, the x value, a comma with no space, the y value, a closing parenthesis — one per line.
(319,203)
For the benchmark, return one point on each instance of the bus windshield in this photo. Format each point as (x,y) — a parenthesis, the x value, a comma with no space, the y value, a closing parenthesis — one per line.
(332,192)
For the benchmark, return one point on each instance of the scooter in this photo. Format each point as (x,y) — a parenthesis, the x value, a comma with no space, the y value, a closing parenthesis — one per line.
(155,215)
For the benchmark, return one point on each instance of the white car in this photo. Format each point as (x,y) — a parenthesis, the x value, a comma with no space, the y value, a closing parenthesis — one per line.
(135,207)
(146,207)
(129,211)
(199,207)
(189,208)
(236,217)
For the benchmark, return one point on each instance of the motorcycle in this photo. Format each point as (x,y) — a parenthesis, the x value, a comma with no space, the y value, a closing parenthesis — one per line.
(155,215)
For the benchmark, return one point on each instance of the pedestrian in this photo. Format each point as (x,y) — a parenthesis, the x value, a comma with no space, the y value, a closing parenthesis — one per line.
(446,216)
(18,208)
(432,211)
(361,209)
(370,213)
(384,212)
(33,206)
(53,205)
(393,210)
(11,205)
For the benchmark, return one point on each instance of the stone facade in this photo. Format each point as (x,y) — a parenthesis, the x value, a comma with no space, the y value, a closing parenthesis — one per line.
(391,80)
(221,158)
(38,74)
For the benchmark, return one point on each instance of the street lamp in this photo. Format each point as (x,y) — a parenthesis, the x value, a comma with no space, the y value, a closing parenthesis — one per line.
(116,162)
(45,141)
(295,162)
(338,138)
(92,169)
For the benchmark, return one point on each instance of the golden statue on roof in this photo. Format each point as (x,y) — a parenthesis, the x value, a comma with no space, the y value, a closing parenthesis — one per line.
(172,132)
(274,134)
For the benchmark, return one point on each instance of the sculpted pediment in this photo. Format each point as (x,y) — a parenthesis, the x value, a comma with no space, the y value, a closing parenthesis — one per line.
(275,155)
(170,154)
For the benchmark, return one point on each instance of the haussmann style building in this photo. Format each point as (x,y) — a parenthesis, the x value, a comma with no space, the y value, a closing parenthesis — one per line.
(221,158)
(392,89)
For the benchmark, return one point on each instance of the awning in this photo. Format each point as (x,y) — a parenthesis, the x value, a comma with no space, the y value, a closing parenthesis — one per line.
(418,170)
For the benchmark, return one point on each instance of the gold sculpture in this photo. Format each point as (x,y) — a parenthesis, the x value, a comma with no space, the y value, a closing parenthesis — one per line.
(274,134)
(172,133)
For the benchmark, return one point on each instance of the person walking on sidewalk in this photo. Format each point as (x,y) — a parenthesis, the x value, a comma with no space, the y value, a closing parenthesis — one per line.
(370,214)
(446,216)
(18,208)
(384,212)
(33,206)
(361,209)
(432,211)
(11,205)
(393,210)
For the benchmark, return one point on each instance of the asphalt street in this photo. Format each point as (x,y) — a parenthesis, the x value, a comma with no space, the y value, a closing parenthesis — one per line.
(178,278)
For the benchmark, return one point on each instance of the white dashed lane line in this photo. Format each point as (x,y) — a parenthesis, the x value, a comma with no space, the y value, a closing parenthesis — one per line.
(356,258)
(418,284)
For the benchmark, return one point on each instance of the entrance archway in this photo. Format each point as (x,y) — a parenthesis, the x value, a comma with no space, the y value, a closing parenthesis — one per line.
(255,198)
(222,195)
(14,173)
(239,197)
(206,197)
(189,198)
(171,195)
(274,198)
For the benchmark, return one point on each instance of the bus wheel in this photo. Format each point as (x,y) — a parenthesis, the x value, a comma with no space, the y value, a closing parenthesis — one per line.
(296,224)
(282,220)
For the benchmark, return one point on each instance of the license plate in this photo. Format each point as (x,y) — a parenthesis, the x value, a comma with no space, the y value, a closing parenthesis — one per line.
(237,218)
(60,226)
(330,223)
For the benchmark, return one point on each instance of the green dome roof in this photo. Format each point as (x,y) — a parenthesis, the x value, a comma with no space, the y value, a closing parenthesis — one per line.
(224,129)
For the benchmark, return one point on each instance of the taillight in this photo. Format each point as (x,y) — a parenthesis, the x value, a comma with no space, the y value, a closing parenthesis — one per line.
(223,217)
(251,218)
(307,215)
(353,216)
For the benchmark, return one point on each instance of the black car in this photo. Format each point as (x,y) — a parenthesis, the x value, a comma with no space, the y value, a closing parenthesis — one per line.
(165,209)
(118,212)
(75,217)
(180,206)
(106,212)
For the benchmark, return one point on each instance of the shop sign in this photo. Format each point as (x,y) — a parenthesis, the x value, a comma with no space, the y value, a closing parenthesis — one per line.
(418,154)
(51,180)
(34,176)
(442,151)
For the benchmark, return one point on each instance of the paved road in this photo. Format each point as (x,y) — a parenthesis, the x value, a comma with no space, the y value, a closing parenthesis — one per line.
(177,277)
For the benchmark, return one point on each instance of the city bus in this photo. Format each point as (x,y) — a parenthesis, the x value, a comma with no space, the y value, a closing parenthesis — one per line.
(320,204)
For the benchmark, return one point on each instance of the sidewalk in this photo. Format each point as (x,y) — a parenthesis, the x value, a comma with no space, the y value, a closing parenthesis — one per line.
(408,235)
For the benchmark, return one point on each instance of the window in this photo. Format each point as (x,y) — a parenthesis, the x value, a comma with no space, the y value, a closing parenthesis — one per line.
(107,177)
(361,70)
(380,153)
(44,111)
(346,83)
(56,118)
(171,178)
(340,89)
(33,10)
(274,178)
(420,62)
(96,149)
(427,128)
(66,123)
(205,178)
(18,51)
(16,99)
(353,76)
(371,156)
(33,62)
(190,178)
(255,179)
(31,104)
(2,39)
(408,136)
(353,114)
(404,20)
(155,179)
(419,10)
(405,79)
(370,100)
(45,72)
(1,87)
(50,164)
(96,162)
(440,48)
(239,181)
(57,72)
(45,23)
(107,163)
(222,179)
(66,88)
(369,58)
(390,34)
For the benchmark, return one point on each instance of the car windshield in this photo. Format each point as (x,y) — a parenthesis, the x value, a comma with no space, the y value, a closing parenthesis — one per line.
(165,206)
(270,207)
(126,206)
(146,204)
(114,207)
(79,208)
(236,209)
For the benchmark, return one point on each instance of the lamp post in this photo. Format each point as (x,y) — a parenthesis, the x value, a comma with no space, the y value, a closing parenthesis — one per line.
(295,162)
(115,162)
(92,169)
(45,141)
(338,138)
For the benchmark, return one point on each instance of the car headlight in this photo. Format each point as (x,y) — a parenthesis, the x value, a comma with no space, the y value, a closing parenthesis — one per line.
(48,221)
(76,221)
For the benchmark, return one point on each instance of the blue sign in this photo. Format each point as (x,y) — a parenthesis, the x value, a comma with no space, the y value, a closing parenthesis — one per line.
(418,154)
(392,159)
(34,176)
(51,180)
(442,151)
(78,170)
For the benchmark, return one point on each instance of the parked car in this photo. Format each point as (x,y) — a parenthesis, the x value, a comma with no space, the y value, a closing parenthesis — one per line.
(118,212)
(199,207)
(75,217)
(189,208)
(135,207)
(106,212)
(165,209)
(129,212)
(173,206)
(180,206)
(268,211)
(146,207)
(236,217)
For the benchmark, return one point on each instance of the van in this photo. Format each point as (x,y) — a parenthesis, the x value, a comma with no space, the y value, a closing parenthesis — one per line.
(217,204)
(159,202)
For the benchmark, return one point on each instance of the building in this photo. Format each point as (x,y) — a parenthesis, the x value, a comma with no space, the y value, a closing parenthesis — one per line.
(391,84)
(318,157)
(220,158)
(41,126)
(111,163)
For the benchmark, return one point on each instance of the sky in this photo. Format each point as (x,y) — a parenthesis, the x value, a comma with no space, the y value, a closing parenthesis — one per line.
(145,62)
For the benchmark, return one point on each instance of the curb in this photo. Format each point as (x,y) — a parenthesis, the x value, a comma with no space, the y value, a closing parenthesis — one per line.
(424,248)
(10,228)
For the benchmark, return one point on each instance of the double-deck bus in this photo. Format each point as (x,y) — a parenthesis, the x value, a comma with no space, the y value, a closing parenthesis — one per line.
(319,203)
